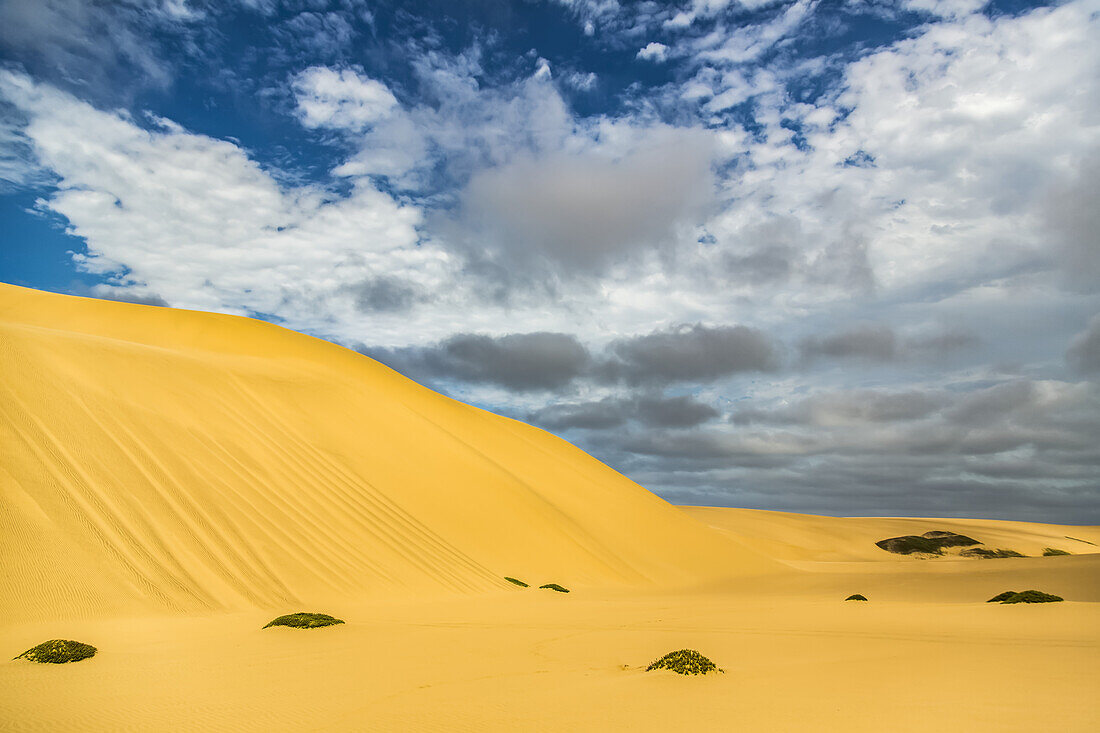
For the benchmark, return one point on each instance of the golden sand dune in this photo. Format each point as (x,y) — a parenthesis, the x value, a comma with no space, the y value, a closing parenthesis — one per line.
(158,459)
(170,481)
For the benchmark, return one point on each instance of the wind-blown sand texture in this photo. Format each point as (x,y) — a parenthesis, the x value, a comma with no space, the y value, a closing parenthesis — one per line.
(173,480)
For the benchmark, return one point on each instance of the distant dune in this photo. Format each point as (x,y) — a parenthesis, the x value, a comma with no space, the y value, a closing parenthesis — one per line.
(158,459)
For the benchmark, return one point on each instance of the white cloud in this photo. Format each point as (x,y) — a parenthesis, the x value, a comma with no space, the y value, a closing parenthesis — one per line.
(197,222)
(341,99)
(656,52)
(947,8)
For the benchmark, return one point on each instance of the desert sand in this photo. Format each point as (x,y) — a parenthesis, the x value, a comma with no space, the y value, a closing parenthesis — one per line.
(171,480)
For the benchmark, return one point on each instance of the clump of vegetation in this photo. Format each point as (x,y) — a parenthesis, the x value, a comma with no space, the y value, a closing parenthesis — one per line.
(856,597)
(514,581)
(1032,596)
(1026,596)
(949,539)
(555,586)
(1052,552)
(990,554)
(305,620)
(1075,539)
(59,651)
(929,543)
(685,661)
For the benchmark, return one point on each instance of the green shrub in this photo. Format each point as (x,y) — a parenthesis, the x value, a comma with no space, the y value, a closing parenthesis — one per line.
(684,661)
(929,543)
(1032,596)
(1051,552)
(59,651)
(910,544)
(555,586)
(520,583)
(304,620)
(1000,597)
(989,554)
(856,597)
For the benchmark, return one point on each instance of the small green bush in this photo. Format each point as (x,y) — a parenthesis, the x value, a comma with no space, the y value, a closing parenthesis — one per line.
(1051,552)
(555,586)
(304,620)
(59,651)
(1000,597)
(685,661)
(990,554)
(856,597)
(1032,596)
(520,583)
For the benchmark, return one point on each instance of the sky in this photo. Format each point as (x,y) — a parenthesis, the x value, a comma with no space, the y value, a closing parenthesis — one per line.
(837,257)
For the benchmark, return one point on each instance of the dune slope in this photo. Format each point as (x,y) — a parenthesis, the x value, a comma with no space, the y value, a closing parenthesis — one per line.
(164,460)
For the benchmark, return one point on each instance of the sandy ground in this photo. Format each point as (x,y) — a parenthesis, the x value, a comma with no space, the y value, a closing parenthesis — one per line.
(170,481)
(536,660)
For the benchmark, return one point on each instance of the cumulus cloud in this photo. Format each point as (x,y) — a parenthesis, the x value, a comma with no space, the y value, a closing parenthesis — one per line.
(342,99)
(1024,447)
(611,412)
(1071,212)
(849,407)
(583,211)
(695,352)
(1083,354)
(197,221)
(656,52)
(877,342)
(873,342)
(518,361)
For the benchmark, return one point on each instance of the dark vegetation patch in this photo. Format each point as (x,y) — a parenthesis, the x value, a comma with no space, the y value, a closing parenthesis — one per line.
(1053,552)
(684,661)
(514,581)
(305,620)
(1025,596)
(989,554)
(856,597)
(59,651)
(1079,540)
(555,586)
(929,543)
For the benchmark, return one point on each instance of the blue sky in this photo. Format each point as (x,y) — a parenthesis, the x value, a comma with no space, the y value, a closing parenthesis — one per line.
(836,257)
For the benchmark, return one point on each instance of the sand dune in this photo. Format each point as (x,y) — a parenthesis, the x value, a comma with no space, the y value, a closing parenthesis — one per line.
(158,459)
(170,481)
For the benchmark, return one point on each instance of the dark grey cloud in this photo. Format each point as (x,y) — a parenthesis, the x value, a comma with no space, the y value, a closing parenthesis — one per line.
(579,213)
(847,407)
(384,294)
(1072,214)
(520,361)
(596,415)
(869,342)
(1083,354)
(543,361)
(612,412)
(877,342)
(690,353)
(1025,449)
(985,406)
